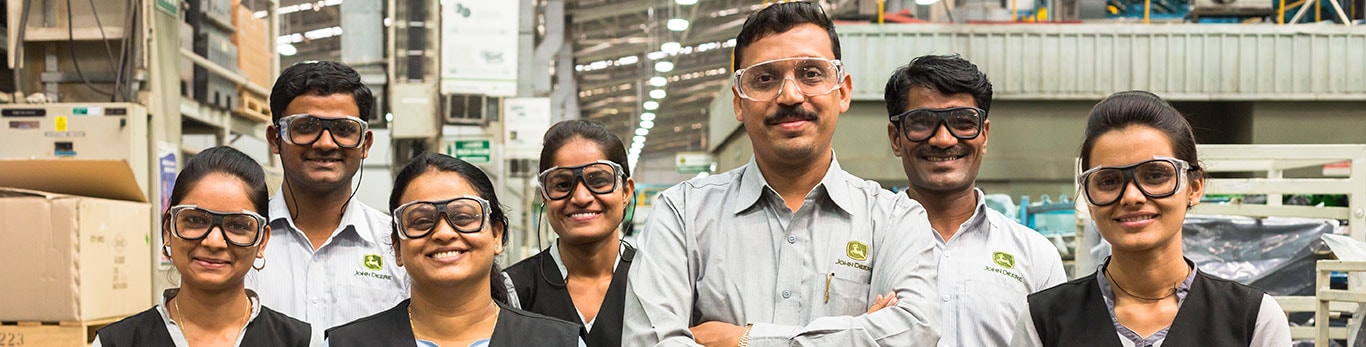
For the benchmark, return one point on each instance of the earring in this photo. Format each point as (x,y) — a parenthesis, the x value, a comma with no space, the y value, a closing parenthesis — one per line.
(258,267)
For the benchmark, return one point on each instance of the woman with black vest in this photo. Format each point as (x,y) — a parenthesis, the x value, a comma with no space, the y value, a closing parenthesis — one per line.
(1140,177)
(214,231)
(587,186)
(448,227)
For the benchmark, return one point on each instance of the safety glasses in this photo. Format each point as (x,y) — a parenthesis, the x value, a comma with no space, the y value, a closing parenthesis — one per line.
(192,223)
(599,177)
(920,124)
(417,219)
(1157,178)
(764,81)
(305,129)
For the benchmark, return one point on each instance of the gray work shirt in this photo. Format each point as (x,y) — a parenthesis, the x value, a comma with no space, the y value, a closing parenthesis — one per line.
(986,272)
(353,274)
(178,336)
(726,248)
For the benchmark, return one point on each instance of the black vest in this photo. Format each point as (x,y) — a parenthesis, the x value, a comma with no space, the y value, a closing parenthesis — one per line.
(514,328)
(1216,312)
(146,329)
(541,289)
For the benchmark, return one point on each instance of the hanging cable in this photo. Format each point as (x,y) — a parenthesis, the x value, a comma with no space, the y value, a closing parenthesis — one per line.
(71,48)
(108,52)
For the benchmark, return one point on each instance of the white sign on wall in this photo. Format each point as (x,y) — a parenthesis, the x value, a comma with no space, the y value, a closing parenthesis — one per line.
(479,47)
(525,121)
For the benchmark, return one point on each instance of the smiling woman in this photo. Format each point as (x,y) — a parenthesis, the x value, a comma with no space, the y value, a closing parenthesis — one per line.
(1141,176)
(582,276)
(448,227)
(215,231)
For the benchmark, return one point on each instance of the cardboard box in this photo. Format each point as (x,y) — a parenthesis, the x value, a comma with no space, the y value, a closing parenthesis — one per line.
(77,250)
(254,51)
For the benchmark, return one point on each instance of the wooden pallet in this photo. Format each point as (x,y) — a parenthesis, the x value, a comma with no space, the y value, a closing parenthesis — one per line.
(253,106)
(55,334)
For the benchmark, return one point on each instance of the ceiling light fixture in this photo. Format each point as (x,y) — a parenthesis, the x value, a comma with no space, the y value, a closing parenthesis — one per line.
(658,94)
(677,24)
(650,105)
(664,66)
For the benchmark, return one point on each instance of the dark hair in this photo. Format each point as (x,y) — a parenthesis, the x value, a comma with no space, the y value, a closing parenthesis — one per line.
(946,74)
(563,132)
(1137,107)
(427,162)
(779,18)
(228,161)
(320,78)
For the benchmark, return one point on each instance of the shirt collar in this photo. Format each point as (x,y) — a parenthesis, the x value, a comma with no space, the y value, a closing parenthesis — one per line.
(979,219)
(835,183)
(559,262)
(351,220)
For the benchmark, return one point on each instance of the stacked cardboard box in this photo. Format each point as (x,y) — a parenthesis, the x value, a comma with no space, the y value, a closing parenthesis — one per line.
(79,249)
(254,52)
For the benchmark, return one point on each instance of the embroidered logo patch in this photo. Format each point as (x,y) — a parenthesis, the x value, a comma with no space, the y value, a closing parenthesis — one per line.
(1003,259)
(856,250)
(373,262)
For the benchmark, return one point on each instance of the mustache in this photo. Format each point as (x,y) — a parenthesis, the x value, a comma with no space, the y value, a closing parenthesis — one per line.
(790,113)
(931,151)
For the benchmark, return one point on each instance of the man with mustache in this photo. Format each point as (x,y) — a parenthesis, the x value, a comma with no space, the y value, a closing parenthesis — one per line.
(789,249)
(987,263)
(327,260)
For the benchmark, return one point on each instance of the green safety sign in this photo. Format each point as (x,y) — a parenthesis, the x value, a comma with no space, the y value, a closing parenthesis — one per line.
(168,6)
(472,151)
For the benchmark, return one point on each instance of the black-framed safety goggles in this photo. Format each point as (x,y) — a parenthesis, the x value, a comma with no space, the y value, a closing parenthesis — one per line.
(599,177)
(964,123)
(1157,178)
(305,129)
(466,214)
(192,223)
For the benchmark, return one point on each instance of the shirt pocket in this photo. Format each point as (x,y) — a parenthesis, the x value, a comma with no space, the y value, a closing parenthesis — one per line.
(849,291)
(991,307)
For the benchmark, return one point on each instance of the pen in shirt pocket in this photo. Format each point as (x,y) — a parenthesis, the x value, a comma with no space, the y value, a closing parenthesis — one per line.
(828,276)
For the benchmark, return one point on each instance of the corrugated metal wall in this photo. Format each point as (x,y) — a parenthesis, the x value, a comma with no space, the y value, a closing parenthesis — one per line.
(1090,61)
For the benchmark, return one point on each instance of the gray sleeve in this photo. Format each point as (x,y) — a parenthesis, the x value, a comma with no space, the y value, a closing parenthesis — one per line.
(1272,327)
(659,294)
(904,262)
(1026,334)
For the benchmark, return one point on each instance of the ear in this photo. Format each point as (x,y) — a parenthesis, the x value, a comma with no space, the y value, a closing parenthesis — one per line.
(895,137)
(273,138)
(986,131)
(846,92)
(629,190)
(498,238)
(369,140)
(737,100)
(1196,191)
(265,239)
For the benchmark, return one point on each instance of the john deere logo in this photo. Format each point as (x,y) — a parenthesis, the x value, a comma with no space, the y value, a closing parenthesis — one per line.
(374,262)
(856,250)
(1004,259)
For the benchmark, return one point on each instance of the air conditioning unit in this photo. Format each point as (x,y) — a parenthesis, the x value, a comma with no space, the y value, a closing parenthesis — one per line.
(468,109)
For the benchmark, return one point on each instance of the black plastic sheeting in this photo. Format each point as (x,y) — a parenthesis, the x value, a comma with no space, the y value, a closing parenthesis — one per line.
(1275,254)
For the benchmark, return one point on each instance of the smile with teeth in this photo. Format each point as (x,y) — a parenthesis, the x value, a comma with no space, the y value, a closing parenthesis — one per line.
(942,159)
(446,254)
(1136,218)
(584,214)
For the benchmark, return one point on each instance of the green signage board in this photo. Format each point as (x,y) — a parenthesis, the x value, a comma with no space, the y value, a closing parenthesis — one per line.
(168,6)
(472,151)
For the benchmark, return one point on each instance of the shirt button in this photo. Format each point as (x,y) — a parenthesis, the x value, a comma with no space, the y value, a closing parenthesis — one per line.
(946,254)
(791,239)
(787,294)
(946,298)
